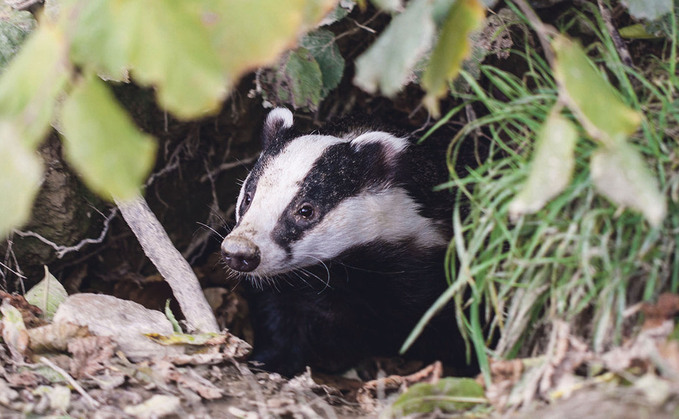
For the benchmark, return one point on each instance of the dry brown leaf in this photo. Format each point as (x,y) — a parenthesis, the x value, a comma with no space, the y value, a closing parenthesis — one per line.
(669,351)
(30,313)
(191,380)
(14,333)
(55,336)
(665,309)
(504,375)
(90,355)
(23,379)
(368,396)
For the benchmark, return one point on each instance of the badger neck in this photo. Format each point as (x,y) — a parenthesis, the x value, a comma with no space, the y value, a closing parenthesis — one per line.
(376,265)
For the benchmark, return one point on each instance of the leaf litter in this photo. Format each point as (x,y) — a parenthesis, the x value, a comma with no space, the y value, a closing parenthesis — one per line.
(60,368)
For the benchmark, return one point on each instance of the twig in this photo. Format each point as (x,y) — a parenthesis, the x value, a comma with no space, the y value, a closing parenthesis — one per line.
(170,263)
(226,166)
(543,31)
(620,45)
(93,403)
(64,250)
(12,271)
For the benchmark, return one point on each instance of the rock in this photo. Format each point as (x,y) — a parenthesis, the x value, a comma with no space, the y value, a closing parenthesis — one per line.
(124,321)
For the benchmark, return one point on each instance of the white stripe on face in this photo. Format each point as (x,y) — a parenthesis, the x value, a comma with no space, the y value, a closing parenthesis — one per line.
(390,215)
(277,186)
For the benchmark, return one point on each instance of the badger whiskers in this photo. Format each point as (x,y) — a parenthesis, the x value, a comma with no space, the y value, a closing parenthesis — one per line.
(341,239)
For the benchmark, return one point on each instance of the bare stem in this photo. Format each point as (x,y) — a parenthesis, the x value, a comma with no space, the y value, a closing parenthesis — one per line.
(170,263)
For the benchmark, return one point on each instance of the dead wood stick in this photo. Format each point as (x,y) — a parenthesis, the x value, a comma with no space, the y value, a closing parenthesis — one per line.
(619,43)
(93,403)
(170,263)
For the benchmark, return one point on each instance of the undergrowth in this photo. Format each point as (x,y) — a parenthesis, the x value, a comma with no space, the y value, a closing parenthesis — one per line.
(579,259)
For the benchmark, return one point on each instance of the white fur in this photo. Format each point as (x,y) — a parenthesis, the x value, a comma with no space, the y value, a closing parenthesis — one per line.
(393,146)
(241,195)
(282,114)
(279,183)
(389,215)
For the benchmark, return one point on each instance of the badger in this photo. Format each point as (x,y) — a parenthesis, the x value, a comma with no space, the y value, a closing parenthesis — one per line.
(341,239)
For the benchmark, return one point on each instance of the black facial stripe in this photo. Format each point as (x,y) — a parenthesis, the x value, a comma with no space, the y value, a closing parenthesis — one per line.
(341,172)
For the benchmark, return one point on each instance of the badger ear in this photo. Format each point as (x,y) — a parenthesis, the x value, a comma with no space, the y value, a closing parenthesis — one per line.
(277,122)
(390,146)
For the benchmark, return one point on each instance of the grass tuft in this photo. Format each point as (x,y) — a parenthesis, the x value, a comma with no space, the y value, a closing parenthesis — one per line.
(580,259)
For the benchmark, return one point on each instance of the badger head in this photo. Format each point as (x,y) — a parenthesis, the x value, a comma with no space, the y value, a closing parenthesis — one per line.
(312,198)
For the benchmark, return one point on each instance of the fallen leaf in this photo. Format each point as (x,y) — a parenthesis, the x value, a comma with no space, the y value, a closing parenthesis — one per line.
(191,380)
(125,321)
(157,406)
(198,339)
(7,395)
(665,309)
(30,313)
(14,332)
(450,394)
(59,396)
(368,396)
(55,337)
(23,378)
(47,295)
(90,355)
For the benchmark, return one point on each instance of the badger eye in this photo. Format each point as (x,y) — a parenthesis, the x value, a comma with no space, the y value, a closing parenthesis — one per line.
(247,199)
(306,211)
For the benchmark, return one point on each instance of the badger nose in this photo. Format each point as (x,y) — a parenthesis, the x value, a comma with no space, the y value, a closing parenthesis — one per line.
(240,254)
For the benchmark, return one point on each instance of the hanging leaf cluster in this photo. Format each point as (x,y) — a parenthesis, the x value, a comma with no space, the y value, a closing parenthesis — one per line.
(617,169)
(389,63)
(190,52)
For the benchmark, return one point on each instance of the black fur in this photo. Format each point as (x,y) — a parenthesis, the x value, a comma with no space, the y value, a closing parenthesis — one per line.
(374,298)
(341,172)
(375,293)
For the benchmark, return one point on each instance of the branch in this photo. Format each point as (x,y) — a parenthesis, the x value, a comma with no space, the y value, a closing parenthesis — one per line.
(93,403)
(170,263)
(63,250)
(615,35)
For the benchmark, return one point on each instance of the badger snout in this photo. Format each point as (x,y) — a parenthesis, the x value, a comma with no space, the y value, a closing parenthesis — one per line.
(240,254)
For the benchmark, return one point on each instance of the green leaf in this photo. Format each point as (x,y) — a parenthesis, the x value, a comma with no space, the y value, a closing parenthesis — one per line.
(101,35)
(14,333)
(448,395)
(305,80)
(637,31)
(620,174)
(179,338)
(591,98)
(388,63)
(14,27)
(171,317)
(451,49)
(253,33)
(102,142)
(20,178)
(173,52)
(296,81)
(343,8)
(664,25)
(321,44)
(648,9)
(551,168)
(47,295)
(388,5)
(31,83)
